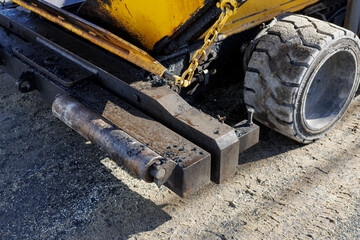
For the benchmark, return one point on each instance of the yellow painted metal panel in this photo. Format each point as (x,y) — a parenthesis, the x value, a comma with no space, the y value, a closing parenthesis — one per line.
(148,21)
(255,12)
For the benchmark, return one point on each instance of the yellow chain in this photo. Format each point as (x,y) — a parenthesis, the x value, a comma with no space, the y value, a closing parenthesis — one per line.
(228,8)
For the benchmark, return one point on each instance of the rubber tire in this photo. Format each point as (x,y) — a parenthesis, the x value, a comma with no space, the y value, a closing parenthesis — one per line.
(282,66)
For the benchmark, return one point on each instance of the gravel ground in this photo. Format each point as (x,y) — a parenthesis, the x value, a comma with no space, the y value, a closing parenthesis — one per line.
(56,185)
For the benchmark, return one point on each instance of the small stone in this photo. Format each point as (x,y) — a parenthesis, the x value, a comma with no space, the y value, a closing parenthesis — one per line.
(176,159)
(232,204)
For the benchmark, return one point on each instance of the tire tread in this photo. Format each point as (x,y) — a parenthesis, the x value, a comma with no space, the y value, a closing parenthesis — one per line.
(277,65)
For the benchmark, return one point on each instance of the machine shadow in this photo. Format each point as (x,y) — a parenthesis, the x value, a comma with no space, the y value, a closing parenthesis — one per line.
(271,144)
(52,184)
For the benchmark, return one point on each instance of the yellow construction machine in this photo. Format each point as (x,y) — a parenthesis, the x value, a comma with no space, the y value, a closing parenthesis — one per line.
(162,86)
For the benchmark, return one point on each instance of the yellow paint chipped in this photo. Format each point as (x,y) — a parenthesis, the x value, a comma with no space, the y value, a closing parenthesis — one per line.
(151,20)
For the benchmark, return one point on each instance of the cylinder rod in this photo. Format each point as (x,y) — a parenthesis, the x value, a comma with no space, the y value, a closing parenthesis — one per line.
(123,148)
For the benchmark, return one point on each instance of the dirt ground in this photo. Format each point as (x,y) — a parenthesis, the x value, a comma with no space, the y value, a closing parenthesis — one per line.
(56,185)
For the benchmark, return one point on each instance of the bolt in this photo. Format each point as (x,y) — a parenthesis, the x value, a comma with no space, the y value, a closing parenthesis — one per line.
(176,88)
(137,98)
(24,86)
(26,82)
(250,116)
(158,173)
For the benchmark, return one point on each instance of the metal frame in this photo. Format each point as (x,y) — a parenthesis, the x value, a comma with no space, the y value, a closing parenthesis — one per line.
(160,103)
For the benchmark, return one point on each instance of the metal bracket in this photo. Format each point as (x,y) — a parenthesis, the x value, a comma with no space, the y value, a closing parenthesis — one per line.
(248,134)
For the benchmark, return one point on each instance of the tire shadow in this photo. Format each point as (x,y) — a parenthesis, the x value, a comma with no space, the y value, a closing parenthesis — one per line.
(270,144)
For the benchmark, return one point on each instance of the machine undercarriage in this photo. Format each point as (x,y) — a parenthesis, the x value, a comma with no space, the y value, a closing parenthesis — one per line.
(132,104)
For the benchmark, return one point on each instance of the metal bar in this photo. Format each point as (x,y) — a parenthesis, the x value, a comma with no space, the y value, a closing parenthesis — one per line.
(248,134)
(192,171)
(139,159)
(352,19)
(94,34)
(52,64)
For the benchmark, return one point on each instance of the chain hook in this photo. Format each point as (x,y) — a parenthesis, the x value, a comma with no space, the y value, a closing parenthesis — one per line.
(228,5)
(228,8)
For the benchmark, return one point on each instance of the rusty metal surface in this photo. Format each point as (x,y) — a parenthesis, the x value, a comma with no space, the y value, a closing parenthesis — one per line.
(193,169)
(43,86)
(52,63)
(16,67)
(193,163)
(121,147)
(248,134)
(154,134)
(95,34)
(217,138)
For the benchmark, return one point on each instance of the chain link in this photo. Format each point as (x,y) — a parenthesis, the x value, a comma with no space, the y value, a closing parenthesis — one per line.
(228,8)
